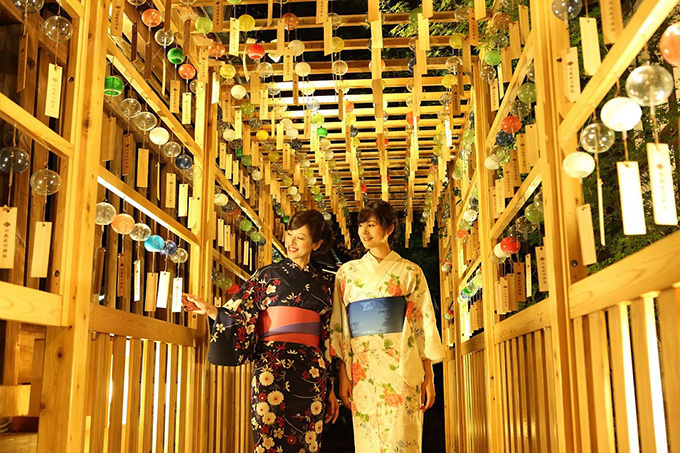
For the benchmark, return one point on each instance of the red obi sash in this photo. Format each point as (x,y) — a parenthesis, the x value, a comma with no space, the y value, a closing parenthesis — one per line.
(292,324)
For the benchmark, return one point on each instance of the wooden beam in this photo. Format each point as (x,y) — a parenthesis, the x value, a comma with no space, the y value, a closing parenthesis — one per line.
(19,303)
(16,116)
(117,322)
(127,193)
(652,269)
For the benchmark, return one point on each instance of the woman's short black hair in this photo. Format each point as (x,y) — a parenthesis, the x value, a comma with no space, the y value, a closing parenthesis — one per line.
(318,228)
(384,213)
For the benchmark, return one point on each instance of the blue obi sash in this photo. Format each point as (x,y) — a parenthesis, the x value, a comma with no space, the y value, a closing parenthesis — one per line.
(377,316)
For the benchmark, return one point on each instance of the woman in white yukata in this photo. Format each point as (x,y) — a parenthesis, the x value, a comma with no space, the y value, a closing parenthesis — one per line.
(383,330)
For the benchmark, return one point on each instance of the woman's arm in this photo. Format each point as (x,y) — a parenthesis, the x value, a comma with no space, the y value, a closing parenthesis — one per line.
(427,393)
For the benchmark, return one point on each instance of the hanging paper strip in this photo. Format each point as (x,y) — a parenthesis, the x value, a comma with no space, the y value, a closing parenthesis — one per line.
(8,229)
(572,85)
(474,28)
(134,36)
(170,189)
(53,92)
(151,291)
(321,11)
(117,8)
(288,69)
(174,96)
(122,275)
(584,219)
(218,16)
(428,9)
(215,89)
(233,37)
(23,63)
(264,103)
(495,101)
(142,167)
(176,295)
(238,123)
(280,37)
(520,280)
(186,107)
(128,154)
(612,20)
(199,127)
(527,273)
(590,45)
(515,43)
(467,55)
(40,258)
(661,180)
(219,232)
(480,9)
(228,163)
(183,200)
(163,289)
(137,281)
(423,33)
(632,211)
(542,268)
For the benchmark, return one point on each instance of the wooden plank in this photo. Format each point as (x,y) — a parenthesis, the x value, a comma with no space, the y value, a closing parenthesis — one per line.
(599,368)
(532,386)
(172,406)
(112,183)
(524,410)
(552,417)
(108,320)
(18,303)
(623,379)
(115,422)
(147,400)
(651,269)
(648,376)
(134,394)
(581,381)
(160,382)
(542,437)
(12,113)
(669,330)
(475,343)
(100,401)
(15,400)
(533,318)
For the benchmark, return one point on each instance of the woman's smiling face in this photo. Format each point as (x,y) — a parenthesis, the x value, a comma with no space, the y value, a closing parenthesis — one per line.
(373,234)
(299,243)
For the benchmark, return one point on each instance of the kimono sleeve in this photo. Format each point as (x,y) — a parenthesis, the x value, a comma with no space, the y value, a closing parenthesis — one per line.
(420,313)
(233,334)
(340,333)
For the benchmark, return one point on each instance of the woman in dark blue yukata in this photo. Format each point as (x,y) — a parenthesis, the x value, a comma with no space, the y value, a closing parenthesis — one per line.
(281,319)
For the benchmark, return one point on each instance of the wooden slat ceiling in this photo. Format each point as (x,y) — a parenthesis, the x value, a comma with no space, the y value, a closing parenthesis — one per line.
(359,78)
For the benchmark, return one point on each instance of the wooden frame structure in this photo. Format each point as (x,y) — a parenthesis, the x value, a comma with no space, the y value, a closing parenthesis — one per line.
(105,370)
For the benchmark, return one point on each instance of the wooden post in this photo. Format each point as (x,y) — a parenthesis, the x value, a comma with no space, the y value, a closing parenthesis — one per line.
(62,415)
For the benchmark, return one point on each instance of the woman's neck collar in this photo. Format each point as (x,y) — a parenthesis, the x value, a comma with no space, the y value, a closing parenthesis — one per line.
(301,262)
(380,252)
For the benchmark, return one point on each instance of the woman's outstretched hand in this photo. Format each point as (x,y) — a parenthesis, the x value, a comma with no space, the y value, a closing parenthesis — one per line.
(197,305)
(333,408)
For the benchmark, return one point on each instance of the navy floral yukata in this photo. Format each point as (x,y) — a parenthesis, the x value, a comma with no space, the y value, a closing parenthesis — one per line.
(290,379)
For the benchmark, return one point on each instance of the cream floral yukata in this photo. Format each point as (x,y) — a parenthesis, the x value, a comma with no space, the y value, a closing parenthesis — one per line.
(386,370)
